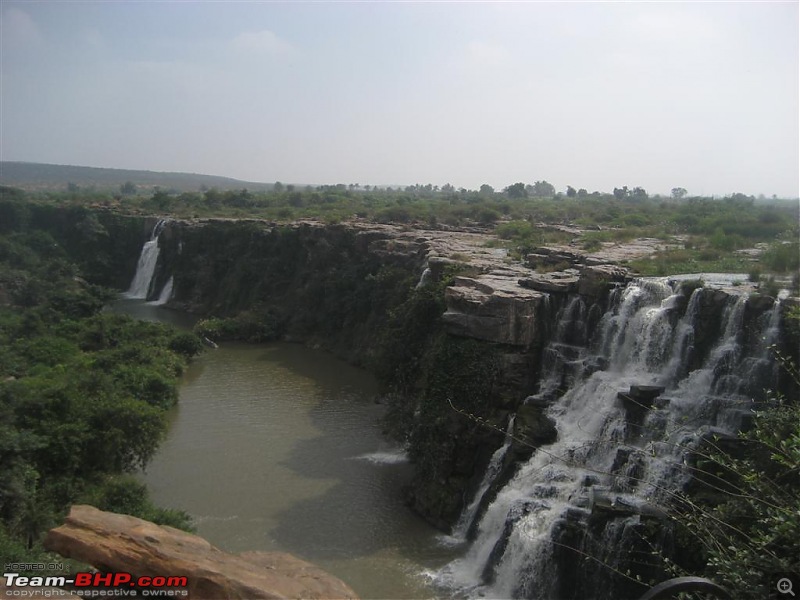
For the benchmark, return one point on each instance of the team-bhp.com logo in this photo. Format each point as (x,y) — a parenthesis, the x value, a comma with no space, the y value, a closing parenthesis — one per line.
(95,585)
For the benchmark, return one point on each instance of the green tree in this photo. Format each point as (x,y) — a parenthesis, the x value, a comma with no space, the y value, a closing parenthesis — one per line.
(678,193)
(543,189)
(571,192)
(517,190)
(621,193)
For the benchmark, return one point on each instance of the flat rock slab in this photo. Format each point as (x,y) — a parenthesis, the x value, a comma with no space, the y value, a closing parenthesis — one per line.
(115,543)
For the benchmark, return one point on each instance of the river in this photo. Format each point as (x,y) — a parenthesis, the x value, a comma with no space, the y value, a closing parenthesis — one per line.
(277,447)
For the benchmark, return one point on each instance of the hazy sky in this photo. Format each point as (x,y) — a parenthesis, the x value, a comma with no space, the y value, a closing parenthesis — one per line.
(596,95)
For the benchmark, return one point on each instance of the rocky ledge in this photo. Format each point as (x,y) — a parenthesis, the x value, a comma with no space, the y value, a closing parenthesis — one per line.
(115,543)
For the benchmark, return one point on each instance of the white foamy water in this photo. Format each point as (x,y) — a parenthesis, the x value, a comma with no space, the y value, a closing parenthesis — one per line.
(384,457)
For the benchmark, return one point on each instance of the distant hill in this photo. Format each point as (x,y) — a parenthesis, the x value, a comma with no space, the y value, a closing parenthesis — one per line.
(44,177)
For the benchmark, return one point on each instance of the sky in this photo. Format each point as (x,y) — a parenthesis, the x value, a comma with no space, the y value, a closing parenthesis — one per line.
(595,95)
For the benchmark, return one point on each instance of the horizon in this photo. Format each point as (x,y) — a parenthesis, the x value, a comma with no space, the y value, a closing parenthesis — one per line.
(382,187)
(596,96)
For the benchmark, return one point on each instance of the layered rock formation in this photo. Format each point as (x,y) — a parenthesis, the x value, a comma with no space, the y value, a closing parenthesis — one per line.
(120,543)
(337,286)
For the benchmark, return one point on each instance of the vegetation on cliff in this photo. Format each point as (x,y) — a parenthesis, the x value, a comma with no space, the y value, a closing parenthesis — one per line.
(70,370)
(741,526)
(83,394)
(425,373)
(703,234)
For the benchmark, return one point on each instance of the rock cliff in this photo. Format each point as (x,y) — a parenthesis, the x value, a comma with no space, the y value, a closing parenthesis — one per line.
(119,543)
(350,288)
(343,286)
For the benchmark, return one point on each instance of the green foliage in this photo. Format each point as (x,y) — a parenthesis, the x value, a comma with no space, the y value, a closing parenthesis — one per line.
(125,495)
(742,520)
(424,370)
(247,326)
(672,262)
(713,228)
(516,190)
(186,344)
(83,393)
(523,236)
(782,257)
(455,371)
(754,530)
(407,335)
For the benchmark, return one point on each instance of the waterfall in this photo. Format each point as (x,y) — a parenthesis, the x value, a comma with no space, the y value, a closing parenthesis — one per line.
(166,293)
(424,278)
(146,267)
(630,402)
(492,471)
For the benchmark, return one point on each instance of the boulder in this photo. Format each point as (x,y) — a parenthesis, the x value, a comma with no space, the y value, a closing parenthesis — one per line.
(114,542)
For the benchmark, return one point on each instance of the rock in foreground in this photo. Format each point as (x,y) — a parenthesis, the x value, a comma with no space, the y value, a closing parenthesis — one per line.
(113,542)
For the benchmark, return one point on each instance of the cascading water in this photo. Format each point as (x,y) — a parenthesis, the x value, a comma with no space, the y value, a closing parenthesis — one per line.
(146,267)
(631,402)
(166,292)
(492,471)
(425,278)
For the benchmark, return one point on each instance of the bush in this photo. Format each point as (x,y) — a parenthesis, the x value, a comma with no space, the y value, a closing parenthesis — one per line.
(249,326)
(782,257)
(186,344)
(127,496)
(754,532)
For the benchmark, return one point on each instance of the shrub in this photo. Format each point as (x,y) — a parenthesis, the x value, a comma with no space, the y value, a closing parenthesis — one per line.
(186,344)
(125,495)
(782,257)
(754,531)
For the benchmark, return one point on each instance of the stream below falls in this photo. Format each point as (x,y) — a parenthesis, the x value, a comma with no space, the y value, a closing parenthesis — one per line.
(277,447)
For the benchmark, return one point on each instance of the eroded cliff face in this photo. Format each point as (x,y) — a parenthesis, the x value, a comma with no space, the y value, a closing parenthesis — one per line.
(328,286)
(456,330)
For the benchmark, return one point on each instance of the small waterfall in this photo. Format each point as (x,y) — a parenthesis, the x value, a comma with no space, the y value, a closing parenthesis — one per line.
(617,450)
(492,471)
(166,293)
(146,267)
(424,279)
